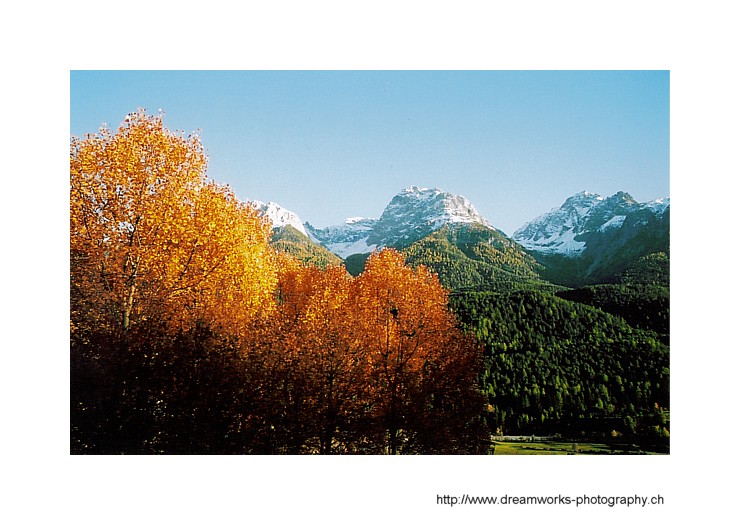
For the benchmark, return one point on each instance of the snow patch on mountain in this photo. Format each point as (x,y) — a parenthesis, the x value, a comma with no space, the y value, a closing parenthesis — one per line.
(659,205)
(556,230)
(345,249)
(437,207)
(347,238)
(416,212)
(279,216)
(614,222)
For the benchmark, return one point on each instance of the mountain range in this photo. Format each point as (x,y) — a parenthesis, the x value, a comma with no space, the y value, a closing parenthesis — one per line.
(588,239)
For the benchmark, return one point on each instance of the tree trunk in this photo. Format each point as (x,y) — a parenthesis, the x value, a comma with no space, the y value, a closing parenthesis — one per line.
(128,305)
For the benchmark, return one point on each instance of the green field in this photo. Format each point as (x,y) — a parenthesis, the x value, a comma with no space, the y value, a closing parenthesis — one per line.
(511,448)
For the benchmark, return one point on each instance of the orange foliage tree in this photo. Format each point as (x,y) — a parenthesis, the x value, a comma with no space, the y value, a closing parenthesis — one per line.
(308,363)
(374,364)
(152,237)
(421,364)
(333,359)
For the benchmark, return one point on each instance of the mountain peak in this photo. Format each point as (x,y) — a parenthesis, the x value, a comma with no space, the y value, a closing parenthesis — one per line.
(420,190)
(411,214)
(278,215)
(622,196)
(416,212)
(584,196)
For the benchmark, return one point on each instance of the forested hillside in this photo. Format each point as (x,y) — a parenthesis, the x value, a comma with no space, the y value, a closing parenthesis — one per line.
(641,305)
(555,366)
(292,242)
(475,257)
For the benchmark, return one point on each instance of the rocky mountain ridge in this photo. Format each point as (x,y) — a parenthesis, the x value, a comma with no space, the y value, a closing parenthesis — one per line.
(566,230)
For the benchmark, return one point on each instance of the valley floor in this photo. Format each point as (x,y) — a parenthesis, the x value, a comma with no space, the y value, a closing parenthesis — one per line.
(544,446)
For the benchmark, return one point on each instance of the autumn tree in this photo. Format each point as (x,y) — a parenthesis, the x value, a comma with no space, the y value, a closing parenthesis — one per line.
(374,364)
(152,237)
(312,369)
(423,368)
(335,360)
(167,271)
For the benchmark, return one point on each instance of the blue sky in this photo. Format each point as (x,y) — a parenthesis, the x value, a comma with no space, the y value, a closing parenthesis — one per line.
(334,144)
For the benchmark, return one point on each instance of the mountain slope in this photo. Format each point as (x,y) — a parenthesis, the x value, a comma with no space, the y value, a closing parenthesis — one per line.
(290,236)
(476,257)
(288,240)
(652,269)
(557,366)
(588,240)
(443,232)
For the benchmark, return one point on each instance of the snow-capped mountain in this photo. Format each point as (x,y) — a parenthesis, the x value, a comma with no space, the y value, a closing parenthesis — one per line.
(416,212)
(592,239)
(347,238)
(411,215)
(279,216)
(568,229)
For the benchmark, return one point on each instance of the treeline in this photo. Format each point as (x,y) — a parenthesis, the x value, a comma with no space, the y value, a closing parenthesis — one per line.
(553,366)
(189,333)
